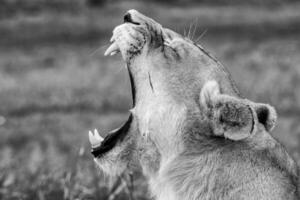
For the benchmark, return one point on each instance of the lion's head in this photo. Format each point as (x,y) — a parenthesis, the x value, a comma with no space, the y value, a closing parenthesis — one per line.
(167,72)
(183,102)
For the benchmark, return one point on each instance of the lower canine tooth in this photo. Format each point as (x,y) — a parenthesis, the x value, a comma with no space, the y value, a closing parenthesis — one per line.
(98,136)
(94,139)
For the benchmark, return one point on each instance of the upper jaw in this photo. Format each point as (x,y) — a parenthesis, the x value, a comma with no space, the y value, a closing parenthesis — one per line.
(134,34)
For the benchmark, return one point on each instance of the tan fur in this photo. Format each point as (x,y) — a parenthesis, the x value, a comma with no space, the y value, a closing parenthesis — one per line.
(192,134)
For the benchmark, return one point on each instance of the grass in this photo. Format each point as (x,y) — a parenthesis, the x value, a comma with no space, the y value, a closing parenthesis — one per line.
(55,85)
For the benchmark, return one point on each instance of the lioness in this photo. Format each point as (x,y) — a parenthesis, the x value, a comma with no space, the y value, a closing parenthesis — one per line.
(189,129)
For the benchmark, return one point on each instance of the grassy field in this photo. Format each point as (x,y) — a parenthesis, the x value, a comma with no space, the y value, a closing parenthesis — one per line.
(55,85)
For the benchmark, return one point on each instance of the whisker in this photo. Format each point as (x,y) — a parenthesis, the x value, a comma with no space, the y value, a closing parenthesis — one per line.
(189,30)
(192,29)
(202,34)
(184,32)
(94,51)
(195,28)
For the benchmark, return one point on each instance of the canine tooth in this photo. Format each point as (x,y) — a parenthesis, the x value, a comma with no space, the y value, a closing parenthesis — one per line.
(113,47)
(98,136)
(94,140)
(114,53)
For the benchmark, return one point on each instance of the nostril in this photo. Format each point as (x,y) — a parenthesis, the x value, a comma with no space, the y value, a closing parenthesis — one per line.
(127,17)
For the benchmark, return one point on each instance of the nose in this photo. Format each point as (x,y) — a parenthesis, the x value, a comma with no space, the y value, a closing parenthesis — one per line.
(127,17)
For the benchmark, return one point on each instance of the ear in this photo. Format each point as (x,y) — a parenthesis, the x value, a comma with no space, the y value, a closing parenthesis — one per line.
(209,92)
(266,115)
(234,118)
(229,116)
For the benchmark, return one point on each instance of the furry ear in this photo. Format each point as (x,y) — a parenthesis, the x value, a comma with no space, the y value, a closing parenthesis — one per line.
(209,92)
(229,116)
(234,118)
(266,115)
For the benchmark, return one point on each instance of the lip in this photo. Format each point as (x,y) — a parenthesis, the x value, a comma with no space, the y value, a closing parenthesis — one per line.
(112,139)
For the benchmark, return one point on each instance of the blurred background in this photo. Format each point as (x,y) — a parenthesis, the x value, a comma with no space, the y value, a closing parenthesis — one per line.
(55,83)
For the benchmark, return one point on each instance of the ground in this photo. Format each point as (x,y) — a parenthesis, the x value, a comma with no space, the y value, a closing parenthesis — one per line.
(55,85)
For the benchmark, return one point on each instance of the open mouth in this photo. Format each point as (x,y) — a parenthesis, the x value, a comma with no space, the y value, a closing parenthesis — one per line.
(101,146)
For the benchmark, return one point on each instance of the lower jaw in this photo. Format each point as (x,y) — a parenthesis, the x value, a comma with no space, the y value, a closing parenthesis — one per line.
(111,140)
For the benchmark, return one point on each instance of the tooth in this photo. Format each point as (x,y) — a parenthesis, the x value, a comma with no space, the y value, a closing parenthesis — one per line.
(113,47)
(98,136)
(94,140)
(113,53)
(91,138)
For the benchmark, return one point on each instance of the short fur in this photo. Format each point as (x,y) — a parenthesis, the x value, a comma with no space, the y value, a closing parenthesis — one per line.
(192,134)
